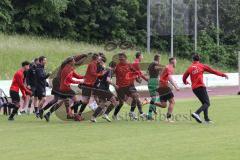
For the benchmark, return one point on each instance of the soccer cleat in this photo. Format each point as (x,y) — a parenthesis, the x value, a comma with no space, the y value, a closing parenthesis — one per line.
(196,117)
(170,120)
(105,116)
(93,120)
(11,119)
(143,116)
(208,122)
(78,118)
(41,113)
(47,117)
(132,116)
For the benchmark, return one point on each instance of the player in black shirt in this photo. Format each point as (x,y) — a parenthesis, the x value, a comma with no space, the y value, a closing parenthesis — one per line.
(104,94)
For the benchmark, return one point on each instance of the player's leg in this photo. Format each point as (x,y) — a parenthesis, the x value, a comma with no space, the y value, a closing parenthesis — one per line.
(132,115)
(86,94)
(53,109)
(170,109)
(135,96)
(99,109)
(16,103)
(76,104)
(202,95)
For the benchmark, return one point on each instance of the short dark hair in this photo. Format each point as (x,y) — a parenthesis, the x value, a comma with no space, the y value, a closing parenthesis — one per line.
(95,56)
(25,63)
(36,59)
(156,57)
(122,54)
(171,59)
(41,58)
(196,57)
(138,54)
(112,64)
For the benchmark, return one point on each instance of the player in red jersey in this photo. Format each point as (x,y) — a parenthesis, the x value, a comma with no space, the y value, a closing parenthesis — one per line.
(165,92)
(89,80)
(125,77)
(65,93)
(136,67)
(196,70)
(18,84)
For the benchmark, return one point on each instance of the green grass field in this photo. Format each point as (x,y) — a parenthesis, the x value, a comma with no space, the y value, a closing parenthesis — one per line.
(16,48)
(27,138)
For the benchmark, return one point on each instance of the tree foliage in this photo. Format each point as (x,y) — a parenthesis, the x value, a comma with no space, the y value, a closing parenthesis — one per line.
(97,21)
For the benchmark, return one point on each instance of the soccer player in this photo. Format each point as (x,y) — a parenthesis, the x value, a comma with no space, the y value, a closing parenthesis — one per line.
(125,77)
(89,81)
(65,93)
(104,94)
(165,92)
(31,80)
(41,84)
(196,70)
(154,71)
(17,84)
(136,67)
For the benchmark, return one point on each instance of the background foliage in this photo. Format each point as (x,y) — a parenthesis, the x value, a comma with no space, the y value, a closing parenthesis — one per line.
(96,21)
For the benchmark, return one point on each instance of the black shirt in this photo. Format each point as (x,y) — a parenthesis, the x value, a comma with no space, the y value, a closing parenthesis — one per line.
(103,83)
(153,72)
(41,78)
(31,75)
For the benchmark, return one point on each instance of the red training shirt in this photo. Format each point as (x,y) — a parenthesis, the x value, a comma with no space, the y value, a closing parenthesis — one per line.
(164,78)
(196,71)
(91,74)
(18,83)
(67,75)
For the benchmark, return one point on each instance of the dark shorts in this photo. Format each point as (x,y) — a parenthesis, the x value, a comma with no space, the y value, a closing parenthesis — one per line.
(40,94)
(63,95)
(86,90)
(165,93)
(15,96)
(126,91)
(34,91)
(103,94)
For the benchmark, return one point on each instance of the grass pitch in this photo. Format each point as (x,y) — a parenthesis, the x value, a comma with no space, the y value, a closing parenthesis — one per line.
(28,138)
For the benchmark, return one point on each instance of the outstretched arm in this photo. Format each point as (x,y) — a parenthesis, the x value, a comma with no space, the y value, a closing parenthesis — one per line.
(213,71)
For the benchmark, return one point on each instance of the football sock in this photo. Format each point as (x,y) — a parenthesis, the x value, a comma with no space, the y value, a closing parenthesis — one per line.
(97,111)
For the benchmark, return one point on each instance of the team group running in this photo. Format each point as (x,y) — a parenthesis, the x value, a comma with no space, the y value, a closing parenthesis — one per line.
(31,80)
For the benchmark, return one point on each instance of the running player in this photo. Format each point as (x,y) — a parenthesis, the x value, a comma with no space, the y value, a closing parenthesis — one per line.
(65,93)
(125,77)
(154,71)
(89,81)
(165,92)
(41,83)
(136,67)
(17,84)
(196,70)
(104,94)
(31,80)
